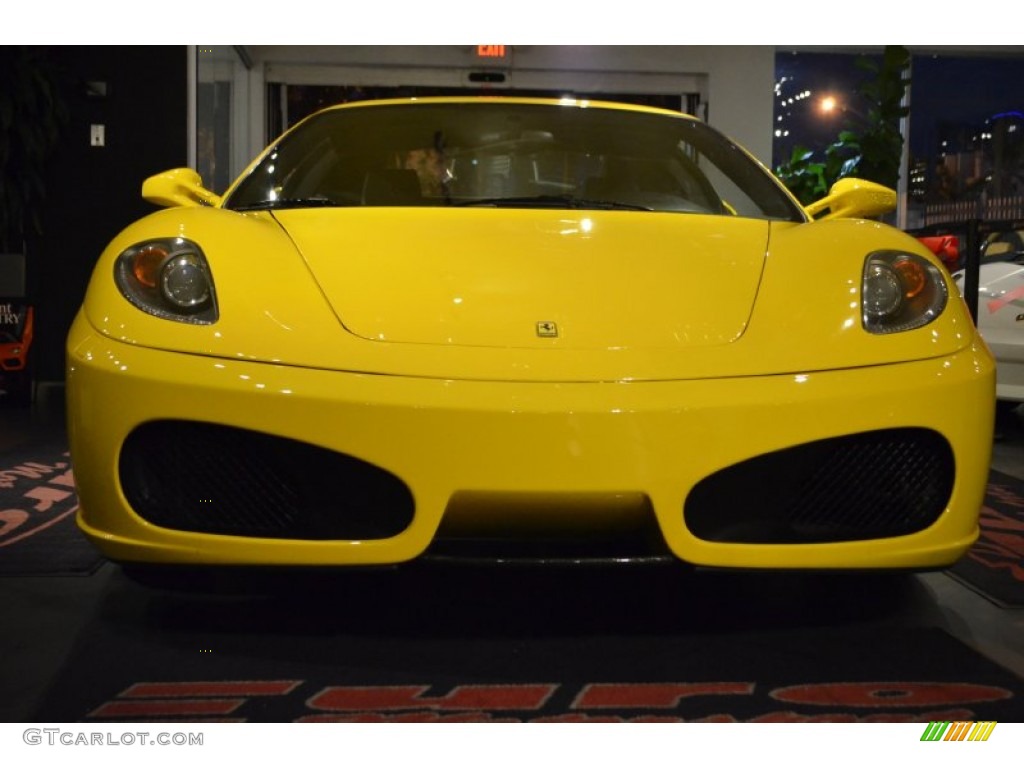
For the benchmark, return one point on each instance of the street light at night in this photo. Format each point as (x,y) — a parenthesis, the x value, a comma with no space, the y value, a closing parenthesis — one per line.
(831,106)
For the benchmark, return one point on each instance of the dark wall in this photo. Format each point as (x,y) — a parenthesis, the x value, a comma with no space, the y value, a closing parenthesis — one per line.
(93,192)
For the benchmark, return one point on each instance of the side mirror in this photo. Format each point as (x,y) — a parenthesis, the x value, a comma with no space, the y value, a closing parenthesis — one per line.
(854,199)
(180,186)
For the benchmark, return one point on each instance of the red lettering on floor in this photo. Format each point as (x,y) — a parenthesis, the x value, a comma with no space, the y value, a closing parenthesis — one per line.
(409,717)
(219,688)
(652,695)
(167,708)
(1005,495)
(11,519)
(894,694)
(46,497)
(391,697)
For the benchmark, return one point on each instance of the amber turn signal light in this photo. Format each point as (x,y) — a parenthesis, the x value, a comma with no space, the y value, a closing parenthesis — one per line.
(146,264)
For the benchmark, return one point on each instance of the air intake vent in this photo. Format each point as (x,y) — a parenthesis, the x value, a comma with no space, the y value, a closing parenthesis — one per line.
(865,486)
(208,478)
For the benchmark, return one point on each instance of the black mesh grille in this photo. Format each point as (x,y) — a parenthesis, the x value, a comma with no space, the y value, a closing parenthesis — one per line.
(864,486)
(213,479)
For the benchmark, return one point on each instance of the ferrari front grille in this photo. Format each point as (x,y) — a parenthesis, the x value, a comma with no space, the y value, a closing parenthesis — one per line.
(208,478)
(869,485)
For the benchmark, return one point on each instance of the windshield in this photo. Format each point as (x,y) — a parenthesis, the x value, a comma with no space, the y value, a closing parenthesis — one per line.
(508,154)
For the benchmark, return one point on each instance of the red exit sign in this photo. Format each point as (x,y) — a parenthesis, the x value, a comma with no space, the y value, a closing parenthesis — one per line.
(490,51)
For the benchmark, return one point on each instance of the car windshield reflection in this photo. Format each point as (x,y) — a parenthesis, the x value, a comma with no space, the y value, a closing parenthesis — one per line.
(510,155)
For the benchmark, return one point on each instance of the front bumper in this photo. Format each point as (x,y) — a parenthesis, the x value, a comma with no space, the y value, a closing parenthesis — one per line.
(569,452)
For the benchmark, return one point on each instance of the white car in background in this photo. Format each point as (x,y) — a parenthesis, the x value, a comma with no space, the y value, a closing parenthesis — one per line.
(1001,312)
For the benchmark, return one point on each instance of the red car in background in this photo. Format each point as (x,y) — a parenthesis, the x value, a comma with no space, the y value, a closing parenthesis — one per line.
(946,247)
(16,322)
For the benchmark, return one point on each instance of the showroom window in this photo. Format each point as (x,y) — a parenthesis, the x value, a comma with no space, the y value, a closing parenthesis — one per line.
(289,103)
(967,138)
(965,132)
(221,93)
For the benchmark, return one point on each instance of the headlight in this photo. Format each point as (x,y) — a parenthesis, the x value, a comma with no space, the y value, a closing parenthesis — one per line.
(900,292)
(168,278)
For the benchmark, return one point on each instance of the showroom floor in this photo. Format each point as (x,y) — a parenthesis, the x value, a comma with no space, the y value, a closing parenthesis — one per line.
(53,623)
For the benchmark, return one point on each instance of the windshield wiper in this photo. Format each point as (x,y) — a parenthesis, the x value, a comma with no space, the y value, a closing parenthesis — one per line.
(553,201)
(289,202)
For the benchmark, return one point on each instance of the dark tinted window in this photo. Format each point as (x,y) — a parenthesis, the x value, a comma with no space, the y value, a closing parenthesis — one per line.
(511,154)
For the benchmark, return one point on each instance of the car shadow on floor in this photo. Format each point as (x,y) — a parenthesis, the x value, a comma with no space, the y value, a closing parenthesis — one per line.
(428,600)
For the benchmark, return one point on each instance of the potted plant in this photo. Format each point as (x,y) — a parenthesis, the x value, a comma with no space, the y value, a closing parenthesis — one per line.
(872,149)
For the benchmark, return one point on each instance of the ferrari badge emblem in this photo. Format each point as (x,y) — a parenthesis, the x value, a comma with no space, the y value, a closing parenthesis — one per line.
(547,330)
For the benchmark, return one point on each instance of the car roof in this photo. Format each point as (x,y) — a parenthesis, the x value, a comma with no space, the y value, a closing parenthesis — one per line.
(581,103)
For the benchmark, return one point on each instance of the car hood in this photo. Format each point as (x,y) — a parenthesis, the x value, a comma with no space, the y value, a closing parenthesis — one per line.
(664,280)
(534,278)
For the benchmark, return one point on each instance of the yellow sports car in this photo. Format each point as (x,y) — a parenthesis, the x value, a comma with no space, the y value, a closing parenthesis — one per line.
(510,328)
